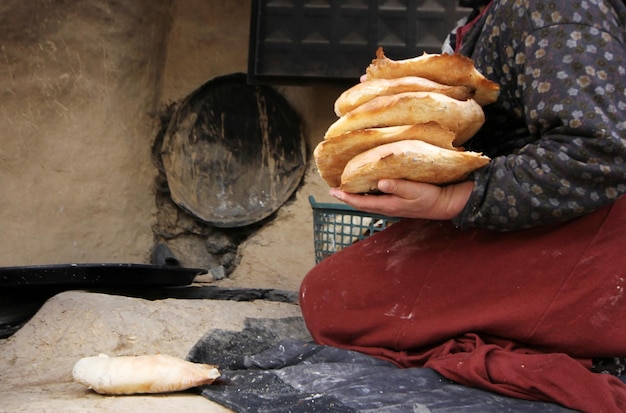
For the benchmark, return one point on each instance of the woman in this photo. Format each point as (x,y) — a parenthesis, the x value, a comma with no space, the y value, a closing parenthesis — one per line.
(512,280)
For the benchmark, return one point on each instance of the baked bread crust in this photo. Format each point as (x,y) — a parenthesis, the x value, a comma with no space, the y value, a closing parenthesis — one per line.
(332,154)
(464,118)
(365,91)
(413,160)
(447,69)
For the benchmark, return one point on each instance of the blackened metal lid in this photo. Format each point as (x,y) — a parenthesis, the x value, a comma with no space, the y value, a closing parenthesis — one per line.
(233,153)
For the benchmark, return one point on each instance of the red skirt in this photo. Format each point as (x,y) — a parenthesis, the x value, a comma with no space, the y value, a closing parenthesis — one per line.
(519,313)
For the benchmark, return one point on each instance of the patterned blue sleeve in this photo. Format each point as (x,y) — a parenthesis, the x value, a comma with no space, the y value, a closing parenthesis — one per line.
(557,135)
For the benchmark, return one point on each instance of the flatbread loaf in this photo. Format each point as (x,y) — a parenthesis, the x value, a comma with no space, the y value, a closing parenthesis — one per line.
(464,118)
(365,91)
(332,154)
(410,159)
(447,69)
(152,373)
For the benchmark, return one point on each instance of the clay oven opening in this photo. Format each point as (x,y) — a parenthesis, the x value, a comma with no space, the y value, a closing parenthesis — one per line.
(230,155)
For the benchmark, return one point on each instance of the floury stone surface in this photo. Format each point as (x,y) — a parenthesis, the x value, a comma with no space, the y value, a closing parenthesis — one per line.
(82,86)
(36,362)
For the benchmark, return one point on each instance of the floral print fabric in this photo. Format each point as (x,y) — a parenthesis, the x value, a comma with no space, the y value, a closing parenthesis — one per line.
(557,135)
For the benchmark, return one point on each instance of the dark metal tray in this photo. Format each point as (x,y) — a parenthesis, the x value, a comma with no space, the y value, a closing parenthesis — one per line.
(101,275)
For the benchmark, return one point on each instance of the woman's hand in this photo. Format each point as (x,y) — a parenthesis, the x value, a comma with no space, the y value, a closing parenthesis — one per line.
(408,199)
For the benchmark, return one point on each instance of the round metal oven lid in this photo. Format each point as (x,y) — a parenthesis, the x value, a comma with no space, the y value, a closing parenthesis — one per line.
(233,153)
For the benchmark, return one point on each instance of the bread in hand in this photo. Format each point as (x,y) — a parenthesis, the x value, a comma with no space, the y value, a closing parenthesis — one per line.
(332,155)
(464,118)
(413,160)
(447,69)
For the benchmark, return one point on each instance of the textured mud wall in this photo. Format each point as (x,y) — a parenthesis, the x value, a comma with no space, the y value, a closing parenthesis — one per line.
(210,39)
(79,84)
(82,85)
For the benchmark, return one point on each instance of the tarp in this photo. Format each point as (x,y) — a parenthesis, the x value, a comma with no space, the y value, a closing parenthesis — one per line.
(271,366)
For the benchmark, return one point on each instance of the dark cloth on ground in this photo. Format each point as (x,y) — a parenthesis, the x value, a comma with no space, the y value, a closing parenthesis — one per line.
(270,366)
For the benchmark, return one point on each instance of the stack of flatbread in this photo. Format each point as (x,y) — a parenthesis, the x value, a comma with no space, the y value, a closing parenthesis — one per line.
(407,120)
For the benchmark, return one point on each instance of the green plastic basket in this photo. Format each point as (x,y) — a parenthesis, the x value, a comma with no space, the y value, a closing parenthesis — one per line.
(336,226)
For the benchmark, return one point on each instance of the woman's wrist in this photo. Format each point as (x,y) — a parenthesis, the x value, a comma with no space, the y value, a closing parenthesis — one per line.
(454,198)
